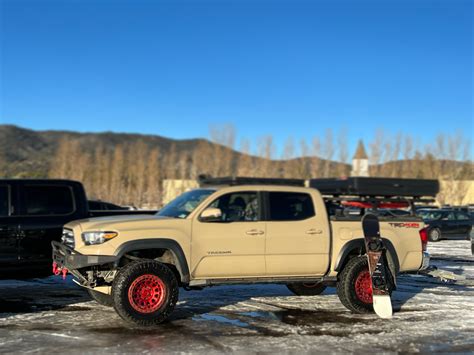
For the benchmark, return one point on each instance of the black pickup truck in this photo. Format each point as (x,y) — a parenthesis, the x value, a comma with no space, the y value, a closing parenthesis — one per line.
(32,214)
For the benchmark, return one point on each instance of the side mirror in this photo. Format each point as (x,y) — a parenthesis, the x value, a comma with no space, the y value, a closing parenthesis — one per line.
(211,214)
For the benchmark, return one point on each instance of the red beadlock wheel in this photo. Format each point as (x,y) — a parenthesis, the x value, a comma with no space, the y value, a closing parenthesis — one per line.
(363,287)
(147,293)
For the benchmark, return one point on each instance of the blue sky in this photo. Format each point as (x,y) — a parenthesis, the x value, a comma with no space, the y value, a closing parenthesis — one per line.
(285,68)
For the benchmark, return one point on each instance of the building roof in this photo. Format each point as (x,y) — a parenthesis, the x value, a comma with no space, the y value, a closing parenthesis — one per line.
(360,151)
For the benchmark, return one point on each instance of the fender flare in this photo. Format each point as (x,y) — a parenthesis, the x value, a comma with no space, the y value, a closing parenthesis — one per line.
(158,243)
(360,244)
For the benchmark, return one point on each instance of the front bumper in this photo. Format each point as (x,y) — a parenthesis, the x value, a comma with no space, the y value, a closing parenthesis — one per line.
(426,261)
(67,258)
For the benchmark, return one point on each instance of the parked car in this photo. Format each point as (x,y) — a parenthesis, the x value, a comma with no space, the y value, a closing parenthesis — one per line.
(391,212)
(425,207)
(447,224)
(472,241)
(32,215)
(235,231)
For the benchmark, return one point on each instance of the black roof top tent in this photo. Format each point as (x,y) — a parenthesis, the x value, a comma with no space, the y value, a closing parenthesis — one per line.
(207,180)
(361,192)
(353,186)
(372,187)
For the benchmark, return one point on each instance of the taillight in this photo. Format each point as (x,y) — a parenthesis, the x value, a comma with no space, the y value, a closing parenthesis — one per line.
(424,238)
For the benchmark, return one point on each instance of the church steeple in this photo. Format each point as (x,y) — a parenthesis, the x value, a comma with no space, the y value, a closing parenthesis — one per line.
(360,161)
(360,151)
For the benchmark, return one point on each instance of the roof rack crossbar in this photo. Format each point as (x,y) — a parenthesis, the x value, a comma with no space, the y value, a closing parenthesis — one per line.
(206,180)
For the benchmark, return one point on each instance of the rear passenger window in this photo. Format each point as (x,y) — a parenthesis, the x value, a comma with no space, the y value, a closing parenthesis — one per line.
(4,201)
(48,200)
(290,206)
(462,217)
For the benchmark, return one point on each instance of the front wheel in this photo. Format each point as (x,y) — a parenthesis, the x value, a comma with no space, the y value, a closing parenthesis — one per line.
(306,288)
(354,286)
(145,293)
(434,235)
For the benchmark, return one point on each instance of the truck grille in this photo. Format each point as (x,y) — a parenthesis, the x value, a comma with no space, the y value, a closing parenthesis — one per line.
(68,238)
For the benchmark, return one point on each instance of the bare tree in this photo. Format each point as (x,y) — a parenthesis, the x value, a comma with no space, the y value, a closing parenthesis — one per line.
(395,155)
(60,164)
(153,183)
(2,165)
(224,139)
(328,152)
(376,152)
(117,182)
(171,162)
(266,151)
(407,156)
(245,163)
(133,172)
(289,169)
(304,163)
(343,153)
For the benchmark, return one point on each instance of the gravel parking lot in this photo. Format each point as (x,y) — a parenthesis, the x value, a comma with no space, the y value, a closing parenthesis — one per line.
(430,315)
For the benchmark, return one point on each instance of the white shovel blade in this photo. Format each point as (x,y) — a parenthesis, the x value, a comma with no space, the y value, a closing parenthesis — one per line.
(383,306)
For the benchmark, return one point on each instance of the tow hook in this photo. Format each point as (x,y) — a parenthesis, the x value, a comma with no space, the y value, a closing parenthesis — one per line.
(59,270)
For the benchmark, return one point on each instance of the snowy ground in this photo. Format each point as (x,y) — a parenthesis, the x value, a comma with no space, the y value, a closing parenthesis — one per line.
(52,315)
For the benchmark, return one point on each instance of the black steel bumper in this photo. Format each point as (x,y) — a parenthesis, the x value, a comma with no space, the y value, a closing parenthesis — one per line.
(67,258)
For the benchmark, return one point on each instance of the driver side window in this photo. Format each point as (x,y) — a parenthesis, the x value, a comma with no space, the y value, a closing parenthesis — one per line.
(450,217)
(238,207)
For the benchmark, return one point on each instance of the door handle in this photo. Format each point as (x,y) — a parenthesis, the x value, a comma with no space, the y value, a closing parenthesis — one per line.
(254,232)
(314,231)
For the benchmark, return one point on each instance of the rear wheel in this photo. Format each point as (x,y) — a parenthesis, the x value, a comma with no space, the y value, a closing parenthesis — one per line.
(434,235)
(354,286)
(101,298)
(306,288)
(145,293)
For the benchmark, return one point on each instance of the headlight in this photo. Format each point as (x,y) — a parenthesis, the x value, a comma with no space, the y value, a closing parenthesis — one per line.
(91,238)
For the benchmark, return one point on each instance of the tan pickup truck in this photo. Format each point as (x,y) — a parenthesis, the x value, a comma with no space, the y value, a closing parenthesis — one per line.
(239,231)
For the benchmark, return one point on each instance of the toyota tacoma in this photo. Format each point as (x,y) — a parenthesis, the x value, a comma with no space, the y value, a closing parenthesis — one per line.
(244,230)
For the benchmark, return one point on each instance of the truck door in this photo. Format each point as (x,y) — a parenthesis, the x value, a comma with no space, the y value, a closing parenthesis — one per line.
(8,230)
(232,246)
(45,209)
(464,223)
(297,242)
(449,224)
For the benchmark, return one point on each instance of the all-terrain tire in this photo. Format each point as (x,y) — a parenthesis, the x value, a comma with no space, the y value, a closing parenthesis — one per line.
(145,293)
(306,289)
(101,298)
(434,235)
(356,301)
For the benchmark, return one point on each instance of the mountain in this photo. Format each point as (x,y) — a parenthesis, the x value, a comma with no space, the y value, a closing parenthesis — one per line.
(29,153)
(26,152)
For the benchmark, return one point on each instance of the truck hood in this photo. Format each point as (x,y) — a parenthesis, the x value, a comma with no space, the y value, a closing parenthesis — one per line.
(122,222)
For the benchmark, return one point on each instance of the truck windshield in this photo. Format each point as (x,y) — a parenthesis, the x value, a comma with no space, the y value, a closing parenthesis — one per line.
(184,204)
